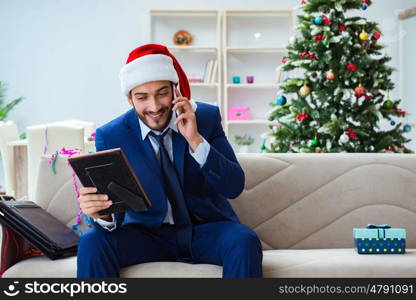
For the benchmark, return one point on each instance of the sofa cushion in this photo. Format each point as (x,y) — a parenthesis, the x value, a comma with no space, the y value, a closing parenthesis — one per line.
(67,267)
(313,201)
(276,264)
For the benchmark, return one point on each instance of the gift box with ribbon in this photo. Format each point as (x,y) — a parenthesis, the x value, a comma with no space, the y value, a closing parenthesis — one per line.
(238,113)
(380,239)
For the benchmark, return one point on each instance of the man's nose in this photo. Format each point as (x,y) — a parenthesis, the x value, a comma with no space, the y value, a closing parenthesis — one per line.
(154,105)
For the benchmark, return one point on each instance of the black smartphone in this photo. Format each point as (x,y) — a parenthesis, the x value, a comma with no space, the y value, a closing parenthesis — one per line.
(174,88)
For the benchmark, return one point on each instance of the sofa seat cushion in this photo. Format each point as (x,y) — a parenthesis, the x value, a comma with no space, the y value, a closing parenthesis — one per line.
(42,266)
(337,263)
(172,269)
(276,264)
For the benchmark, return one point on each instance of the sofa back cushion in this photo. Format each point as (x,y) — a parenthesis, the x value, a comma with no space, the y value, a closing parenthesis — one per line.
(56,192)
(303,201)
(297,201)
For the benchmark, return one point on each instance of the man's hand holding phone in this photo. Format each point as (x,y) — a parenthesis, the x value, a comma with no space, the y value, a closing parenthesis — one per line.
(90,203)
(186,120)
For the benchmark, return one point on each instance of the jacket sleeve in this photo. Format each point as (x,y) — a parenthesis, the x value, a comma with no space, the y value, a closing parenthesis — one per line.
(221,169)
(100,145)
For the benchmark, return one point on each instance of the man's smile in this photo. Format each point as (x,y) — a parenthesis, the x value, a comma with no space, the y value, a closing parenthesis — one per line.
(157,116)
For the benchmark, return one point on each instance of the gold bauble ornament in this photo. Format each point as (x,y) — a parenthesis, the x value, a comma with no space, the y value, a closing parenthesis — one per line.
(304,91)
(364,36)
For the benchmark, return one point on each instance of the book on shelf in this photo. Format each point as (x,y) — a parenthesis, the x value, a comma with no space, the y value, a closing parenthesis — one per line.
(214,71)
(211,67)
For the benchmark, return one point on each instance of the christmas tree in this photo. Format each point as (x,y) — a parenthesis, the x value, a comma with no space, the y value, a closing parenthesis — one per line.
(342,94)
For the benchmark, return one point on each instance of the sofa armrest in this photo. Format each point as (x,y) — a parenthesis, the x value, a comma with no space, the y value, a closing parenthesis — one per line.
(10,250)
(13,248)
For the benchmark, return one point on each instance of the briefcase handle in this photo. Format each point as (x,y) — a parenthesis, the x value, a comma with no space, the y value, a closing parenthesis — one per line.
(7,198)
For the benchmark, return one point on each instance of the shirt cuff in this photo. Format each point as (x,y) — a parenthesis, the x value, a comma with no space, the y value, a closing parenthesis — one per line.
(201,152)
(109,225)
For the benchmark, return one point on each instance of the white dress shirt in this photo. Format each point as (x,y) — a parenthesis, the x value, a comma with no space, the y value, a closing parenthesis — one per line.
(200,155)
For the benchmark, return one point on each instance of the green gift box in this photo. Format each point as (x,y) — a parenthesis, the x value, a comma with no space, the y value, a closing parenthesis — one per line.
(380,239)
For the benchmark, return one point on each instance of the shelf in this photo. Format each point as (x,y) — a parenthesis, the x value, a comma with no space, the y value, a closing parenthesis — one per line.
(252,122)
(257,49)
(193,48)
(262,13)
(207,85)
(254,85)
(164,12)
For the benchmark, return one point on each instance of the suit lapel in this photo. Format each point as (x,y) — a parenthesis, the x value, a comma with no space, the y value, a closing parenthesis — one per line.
(143,157)
(143,160)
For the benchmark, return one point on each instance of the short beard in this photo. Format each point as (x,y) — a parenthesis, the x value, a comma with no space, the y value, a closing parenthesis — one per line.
(169,112)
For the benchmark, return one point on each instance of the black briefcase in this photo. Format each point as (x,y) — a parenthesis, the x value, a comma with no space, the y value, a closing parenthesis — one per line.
(39,228)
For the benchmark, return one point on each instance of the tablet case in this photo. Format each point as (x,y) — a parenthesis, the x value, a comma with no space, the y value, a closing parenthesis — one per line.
(39,228)
(110,172)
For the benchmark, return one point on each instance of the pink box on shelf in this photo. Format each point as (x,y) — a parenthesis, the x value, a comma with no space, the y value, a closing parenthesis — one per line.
(238,113)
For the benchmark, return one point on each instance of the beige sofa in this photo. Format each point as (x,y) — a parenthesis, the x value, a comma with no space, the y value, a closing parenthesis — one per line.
(302,206)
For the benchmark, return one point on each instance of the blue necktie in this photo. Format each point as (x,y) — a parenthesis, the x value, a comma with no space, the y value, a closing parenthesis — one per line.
(176,198)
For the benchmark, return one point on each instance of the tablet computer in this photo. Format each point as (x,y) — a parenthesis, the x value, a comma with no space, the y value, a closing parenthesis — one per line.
(110,172)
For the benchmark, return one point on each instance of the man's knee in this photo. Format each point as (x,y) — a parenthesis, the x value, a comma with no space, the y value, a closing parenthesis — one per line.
(244,239)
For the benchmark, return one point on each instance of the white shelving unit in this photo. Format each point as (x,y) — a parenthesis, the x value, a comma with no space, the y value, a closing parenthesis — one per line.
(254,44)
(245,43)
(205,27)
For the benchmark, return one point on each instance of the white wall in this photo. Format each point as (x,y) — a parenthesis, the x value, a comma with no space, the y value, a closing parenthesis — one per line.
(64,56)
(409,67)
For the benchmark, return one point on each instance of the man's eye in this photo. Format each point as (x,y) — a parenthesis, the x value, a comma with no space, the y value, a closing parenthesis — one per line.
(140,98)
(163,94)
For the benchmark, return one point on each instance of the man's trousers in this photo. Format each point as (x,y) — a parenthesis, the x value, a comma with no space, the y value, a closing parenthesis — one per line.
(101,253)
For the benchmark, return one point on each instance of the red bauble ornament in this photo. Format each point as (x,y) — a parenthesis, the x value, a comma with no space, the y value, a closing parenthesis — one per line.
(400,112)
(330,75)
(368,97)
(376,35)
(359,91)
(342,28)
(351,67)
(302,117)
(307,55)
(389,149)
(365,1)
(352,134)
(284,59)
(319,38)
(326,20)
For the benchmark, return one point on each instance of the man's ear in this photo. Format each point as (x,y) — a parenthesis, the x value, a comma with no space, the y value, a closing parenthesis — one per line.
(129,99)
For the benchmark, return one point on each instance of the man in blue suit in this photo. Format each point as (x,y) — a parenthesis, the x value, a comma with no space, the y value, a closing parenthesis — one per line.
(187,168)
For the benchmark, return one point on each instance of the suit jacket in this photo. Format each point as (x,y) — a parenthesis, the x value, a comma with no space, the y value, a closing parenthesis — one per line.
(206,189)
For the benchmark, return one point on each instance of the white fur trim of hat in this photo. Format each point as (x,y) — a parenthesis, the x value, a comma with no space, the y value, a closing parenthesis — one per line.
(145,69)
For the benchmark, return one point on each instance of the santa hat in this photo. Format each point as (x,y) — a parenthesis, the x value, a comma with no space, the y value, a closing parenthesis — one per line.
(152,62)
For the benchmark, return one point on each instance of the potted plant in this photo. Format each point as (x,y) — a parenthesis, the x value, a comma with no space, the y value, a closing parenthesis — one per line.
(4,111)
(243,142)
(6,108)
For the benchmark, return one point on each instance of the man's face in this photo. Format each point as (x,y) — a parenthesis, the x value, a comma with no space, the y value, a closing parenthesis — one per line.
(153,103)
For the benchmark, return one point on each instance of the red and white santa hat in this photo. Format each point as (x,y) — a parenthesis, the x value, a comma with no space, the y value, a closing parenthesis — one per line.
(152,62)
